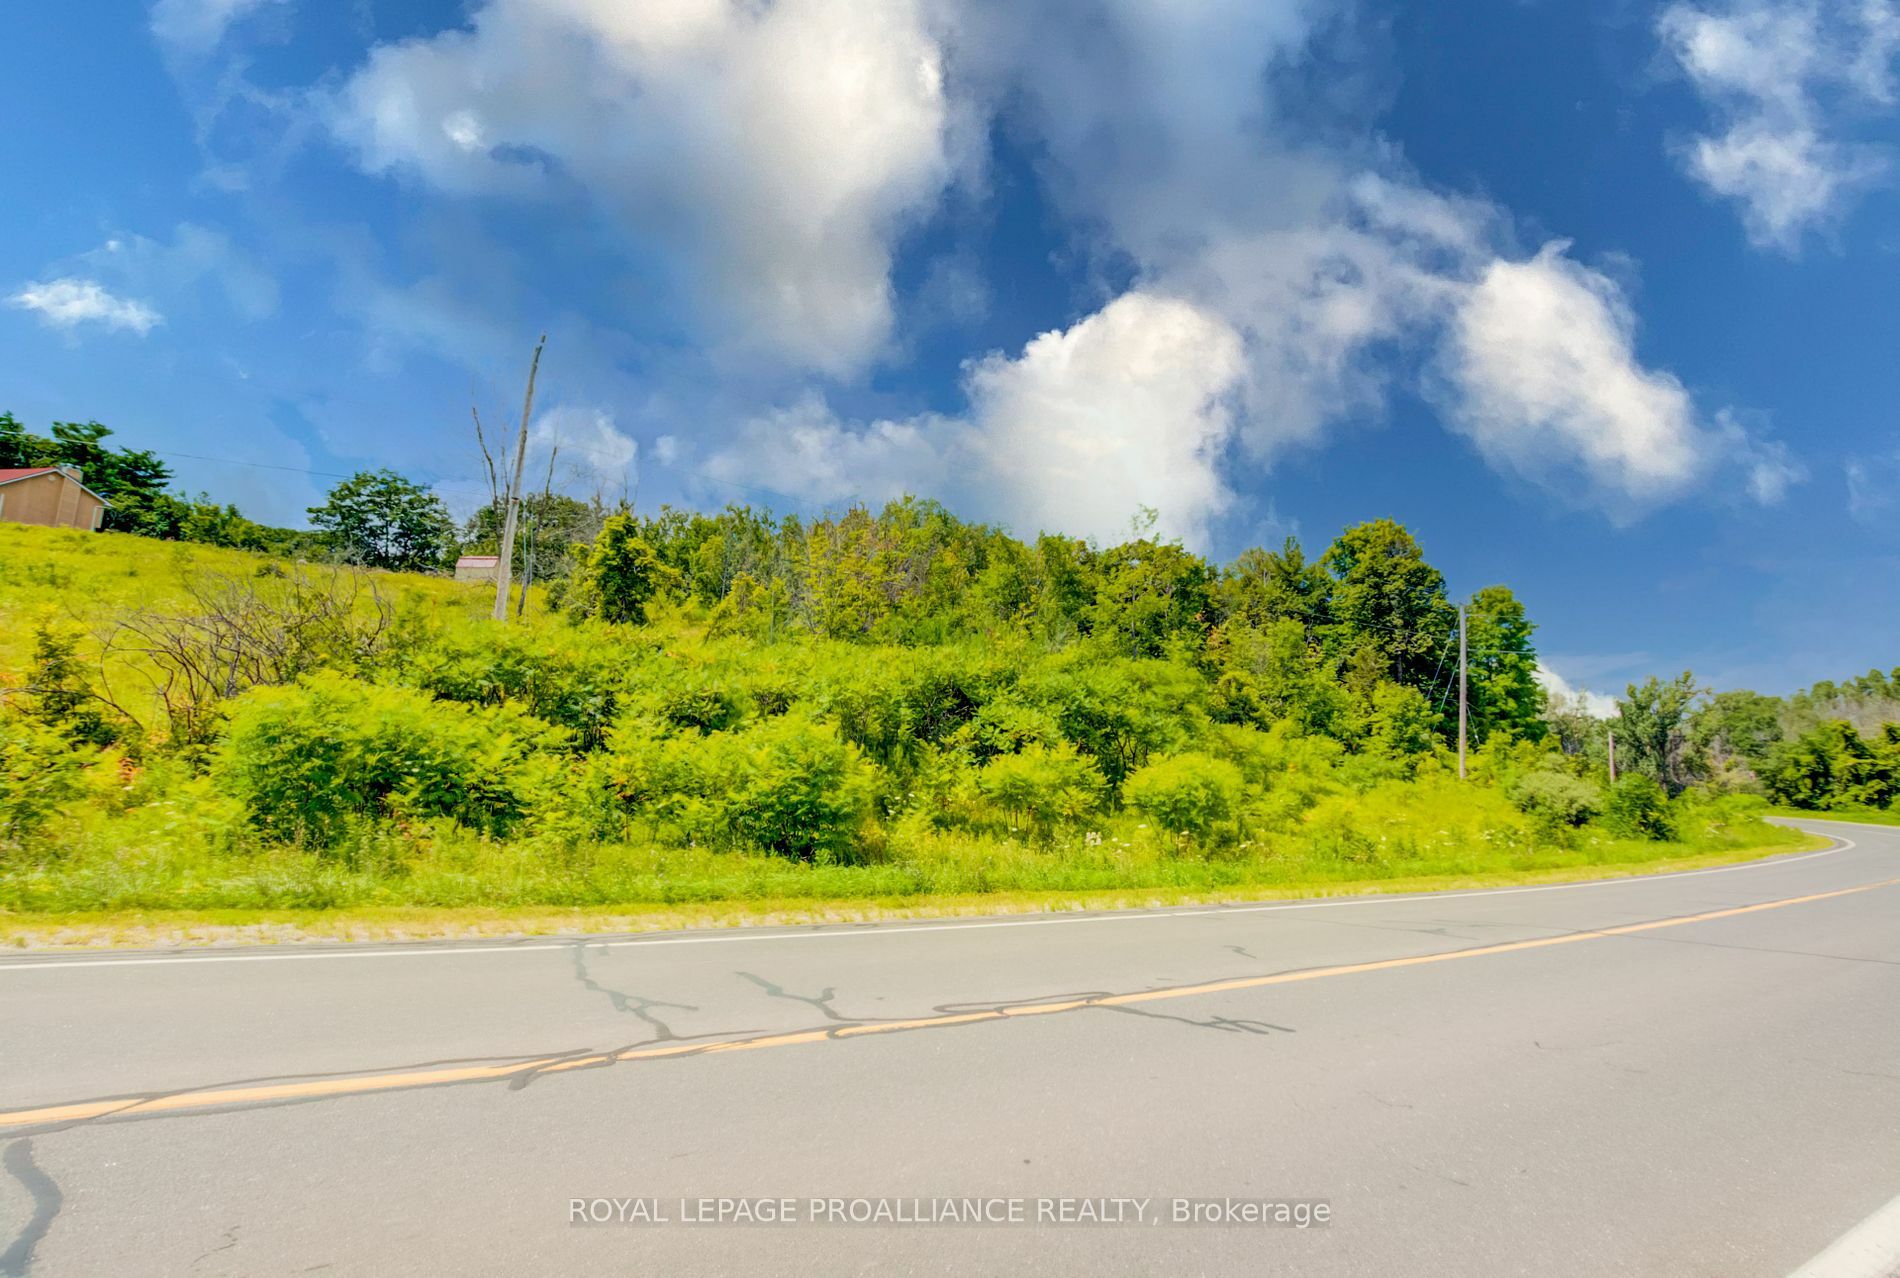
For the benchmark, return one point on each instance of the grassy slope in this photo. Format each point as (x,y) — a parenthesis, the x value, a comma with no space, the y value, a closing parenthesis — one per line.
(87,579)
(110,890)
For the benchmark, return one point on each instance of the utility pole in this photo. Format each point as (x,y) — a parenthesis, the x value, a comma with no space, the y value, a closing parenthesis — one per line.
(504,570)
(534,534)
(1612,733)
(1462,713)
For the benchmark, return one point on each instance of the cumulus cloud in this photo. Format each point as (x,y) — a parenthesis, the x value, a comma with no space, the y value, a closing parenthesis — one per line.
(1595,704)
(572,447)
(1132,406)
(1540,353)
(1171,132)
(773,152)
(68,303)
(197,26)
(1300,266)
(1774,75)
(1257,271)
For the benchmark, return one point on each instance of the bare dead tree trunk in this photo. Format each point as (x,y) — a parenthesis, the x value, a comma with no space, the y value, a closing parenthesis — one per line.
(504,569)
(494,479)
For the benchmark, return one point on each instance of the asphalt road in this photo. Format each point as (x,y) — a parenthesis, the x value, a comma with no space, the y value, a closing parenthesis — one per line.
(1690,1074)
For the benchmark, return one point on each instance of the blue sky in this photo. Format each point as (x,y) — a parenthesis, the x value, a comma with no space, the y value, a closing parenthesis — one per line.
(1595,297)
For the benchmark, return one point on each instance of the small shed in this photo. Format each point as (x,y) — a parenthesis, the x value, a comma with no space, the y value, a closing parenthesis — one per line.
(478,568)
(50,496)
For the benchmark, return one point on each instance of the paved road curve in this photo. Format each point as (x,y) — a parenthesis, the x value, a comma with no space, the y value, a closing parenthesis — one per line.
(1691,1074)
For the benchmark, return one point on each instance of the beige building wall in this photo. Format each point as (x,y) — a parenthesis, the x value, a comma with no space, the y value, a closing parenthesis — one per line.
(478,572)
(51,501)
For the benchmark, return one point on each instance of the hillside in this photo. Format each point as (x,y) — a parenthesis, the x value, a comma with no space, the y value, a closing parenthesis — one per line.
(204,729)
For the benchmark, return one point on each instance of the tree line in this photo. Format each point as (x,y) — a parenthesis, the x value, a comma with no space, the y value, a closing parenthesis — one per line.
(1354,642)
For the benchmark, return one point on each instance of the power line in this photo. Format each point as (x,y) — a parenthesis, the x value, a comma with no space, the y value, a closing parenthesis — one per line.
(235,461)
(1443,651)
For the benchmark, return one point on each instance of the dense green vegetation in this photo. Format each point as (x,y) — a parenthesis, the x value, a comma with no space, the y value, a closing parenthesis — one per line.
(877,704)
(1834,747)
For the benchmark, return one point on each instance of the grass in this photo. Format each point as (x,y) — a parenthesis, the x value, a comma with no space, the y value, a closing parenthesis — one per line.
(1862,816)
(86,579)
(776,894)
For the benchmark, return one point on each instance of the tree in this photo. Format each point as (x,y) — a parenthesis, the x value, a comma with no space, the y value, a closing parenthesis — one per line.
(1270,674)
(381,520)
(1739,724)
(132,480)
(1579,733)
(1149,592)
(555,522)
(621,576)
(117,474)
(1389,611)
(1505,694)
(1652,732)
(1262,587)
(1831,765)
(18,449)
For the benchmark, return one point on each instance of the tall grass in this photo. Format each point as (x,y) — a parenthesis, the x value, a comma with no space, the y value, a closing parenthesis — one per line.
(194,852)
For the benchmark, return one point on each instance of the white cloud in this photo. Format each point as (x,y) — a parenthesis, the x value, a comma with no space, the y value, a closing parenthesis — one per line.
(1170,132)
(1539,370)
(774,152)
(1595,704)
(197,26)
(1130,407)
(196,255)
(1263,272)
(805,451)
(67,303)
(575,448)
(584,448)
(1541,356)
(1775,75)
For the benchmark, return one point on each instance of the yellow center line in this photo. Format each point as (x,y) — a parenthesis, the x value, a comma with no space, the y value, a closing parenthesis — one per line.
(307,1089)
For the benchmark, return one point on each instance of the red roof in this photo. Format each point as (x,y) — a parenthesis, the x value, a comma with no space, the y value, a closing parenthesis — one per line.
(474,561)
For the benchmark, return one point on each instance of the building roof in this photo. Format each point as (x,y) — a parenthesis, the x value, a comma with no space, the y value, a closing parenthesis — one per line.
(28,472)
(478,561)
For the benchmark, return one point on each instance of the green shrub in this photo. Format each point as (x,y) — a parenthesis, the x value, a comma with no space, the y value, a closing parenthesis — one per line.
(1556,799)
(307,758)
(1042,787)
(944,690)
(784,784)
(770,692)
(1118,711)
(1187,794)
(570,679)
(865,700)
(1007,726)
(1637,808)
(704,705)
(39,773)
